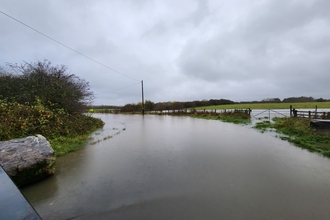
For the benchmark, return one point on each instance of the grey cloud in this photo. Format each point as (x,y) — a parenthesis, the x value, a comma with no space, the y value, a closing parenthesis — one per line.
(200,13)
(183,50)
(264,46)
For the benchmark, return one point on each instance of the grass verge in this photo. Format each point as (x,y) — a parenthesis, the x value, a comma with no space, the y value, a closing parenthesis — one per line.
(64,145)
(298,132)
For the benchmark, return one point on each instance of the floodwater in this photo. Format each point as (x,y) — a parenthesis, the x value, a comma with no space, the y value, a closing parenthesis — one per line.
(171,167)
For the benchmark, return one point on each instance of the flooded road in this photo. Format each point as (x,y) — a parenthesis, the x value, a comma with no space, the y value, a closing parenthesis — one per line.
(164,167)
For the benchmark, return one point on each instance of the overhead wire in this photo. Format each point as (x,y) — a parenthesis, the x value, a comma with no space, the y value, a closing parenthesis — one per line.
(95,61)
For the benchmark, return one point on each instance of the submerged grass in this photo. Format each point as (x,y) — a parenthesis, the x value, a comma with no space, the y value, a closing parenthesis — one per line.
(231,118)
(298,132)
(64,145)
(263,126)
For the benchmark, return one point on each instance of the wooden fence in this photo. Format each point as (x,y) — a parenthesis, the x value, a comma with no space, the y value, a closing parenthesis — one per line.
(309,114)
(203,111)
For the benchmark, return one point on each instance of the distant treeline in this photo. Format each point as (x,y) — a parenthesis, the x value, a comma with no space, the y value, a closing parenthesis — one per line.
(290,100)
(174,105)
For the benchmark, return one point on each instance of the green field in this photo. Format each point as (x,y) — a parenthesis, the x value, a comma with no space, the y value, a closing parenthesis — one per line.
(302,105)
(101,110)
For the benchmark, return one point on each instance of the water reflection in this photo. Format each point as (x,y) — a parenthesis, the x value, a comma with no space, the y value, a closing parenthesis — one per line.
(163,167)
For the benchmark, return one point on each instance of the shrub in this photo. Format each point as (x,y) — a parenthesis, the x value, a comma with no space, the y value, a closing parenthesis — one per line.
(51,84)
(21,120)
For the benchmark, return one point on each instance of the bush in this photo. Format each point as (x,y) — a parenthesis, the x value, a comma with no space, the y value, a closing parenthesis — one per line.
(21,120)
(51,84)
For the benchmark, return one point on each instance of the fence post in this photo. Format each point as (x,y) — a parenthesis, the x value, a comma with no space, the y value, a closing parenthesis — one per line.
(309,114)
(294,112)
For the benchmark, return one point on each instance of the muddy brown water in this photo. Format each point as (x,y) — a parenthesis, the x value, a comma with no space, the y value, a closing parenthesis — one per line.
(167,167)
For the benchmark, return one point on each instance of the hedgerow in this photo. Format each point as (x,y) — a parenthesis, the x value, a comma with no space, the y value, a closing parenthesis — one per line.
(21,120)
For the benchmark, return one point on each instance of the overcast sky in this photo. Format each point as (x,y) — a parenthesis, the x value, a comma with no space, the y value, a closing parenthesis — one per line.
(183,50)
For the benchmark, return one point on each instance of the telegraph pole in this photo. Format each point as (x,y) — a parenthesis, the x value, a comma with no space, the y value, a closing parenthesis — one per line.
(142,98)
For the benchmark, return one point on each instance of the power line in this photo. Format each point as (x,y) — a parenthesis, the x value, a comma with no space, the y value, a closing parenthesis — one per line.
(95,61)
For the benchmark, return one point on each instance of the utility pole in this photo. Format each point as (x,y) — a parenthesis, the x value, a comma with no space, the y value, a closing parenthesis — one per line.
(142,98)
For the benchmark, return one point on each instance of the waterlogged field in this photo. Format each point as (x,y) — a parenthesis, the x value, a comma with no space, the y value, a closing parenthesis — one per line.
(299,105)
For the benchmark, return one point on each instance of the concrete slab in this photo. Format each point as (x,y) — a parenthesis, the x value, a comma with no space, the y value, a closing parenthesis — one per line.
(320,124)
